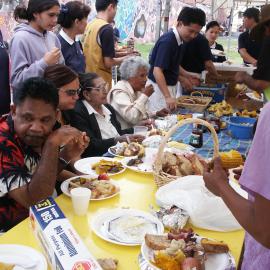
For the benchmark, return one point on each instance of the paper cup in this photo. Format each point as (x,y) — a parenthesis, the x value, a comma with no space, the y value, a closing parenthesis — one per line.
(80,200)
(140,130)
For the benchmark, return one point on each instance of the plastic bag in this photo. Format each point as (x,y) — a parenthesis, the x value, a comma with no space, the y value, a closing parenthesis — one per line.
(206,210)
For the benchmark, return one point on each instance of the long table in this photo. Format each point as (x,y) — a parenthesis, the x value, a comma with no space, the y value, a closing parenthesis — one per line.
(137,191)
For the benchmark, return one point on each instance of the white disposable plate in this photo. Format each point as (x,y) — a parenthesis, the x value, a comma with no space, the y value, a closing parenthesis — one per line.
(140,168)
(23,257)
(252,96)
(223,261)
(100,226)
(112,152)
(85,165)
(217,52)
(65,184)
(148,161)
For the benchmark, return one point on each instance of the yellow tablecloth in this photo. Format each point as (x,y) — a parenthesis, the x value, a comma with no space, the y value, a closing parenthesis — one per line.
(137,191)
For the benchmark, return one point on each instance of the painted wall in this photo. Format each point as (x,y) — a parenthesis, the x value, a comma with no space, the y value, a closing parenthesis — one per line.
(135,18)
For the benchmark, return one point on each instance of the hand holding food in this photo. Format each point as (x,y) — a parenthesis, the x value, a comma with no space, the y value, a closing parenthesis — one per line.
(52,57)
(148,90)
(217,178)
(231,159)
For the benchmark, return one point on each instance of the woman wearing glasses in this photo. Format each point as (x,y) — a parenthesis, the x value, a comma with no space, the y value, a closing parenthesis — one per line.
(67,82)
(97,118)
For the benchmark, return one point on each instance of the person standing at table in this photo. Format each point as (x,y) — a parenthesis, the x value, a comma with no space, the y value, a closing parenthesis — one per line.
(98,41)
(4,78)
(211,33)
(260,80)
(198,57)
(30,158)
(248,48)
(33,46)
(73,19)
(166,57)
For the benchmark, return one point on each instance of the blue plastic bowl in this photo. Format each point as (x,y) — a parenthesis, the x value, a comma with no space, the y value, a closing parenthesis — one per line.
(241,127)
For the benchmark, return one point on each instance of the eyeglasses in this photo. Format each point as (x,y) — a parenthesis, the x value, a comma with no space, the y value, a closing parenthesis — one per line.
(72,92)
(104,88)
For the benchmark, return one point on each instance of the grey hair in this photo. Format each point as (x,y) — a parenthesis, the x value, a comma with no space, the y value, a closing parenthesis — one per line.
(130,66)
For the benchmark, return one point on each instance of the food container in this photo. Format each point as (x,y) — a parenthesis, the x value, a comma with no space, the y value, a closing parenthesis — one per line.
(62,245)
(215,91)
(241,127)
(162,178)
(194,103)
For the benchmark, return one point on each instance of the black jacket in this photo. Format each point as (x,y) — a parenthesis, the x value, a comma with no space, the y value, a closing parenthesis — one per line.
(88,123)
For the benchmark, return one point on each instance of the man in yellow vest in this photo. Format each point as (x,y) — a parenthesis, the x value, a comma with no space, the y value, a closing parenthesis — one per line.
(98,41)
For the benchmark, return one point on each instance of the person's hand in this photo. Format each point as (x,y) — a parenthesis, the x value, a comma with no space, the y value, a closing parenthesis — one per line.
(130,138)
(73,140)
(240,77)
(171,103)
(149,123)
(186,83)
(217,179)
(237,173)
(194,80)
(148,90)
(254,63)
(52,57)
(162,112)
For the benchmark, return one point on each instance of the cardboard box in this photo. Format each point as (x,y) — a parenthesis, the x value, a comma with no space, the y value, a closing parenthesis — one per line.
(62,245)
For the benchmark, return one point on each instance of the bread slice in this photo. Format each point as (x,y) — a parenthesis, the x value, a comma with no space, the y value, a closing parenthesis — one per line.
(213,246)
(157,242)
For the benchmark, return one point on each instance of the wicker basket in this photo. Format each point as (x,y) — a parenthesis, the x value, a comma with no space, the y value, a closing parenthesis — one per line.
(162,178)
(192,106)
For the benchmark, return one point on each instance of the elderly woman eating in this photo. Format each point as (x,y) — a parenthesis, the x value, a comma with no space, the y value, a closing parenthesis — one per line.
(129,96)
(97,118)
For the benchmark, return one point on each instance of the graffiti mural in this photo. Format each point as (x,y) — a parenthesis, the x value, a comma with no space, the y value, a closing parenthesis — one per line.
(137,19)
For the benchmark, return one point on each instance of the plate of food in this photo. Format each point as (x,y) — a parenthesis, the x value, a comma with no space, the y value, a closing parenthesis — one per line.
(21,257)
(101,187)
(255,96)
(183,249)
(125,227)
(218,52)
(99,165)
(127,150)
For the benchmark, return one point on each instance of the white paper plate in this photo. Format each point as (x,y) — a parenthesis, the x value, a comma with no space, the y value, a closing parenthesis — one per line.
(100,225)
(252,96)
(140,168)
(85,165)
(23,257)
(113,153)
(217,52)
(223,261)
(65,190)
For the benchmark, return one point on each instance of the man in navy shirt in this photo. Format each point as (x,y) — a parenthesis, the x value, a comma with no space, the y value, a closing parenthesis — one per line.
(249,48)
(198,56)
(166,58)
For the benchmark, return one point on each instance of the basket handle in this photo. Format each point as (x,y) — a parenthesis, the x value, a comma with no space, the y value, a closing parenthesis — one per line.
(196,92)
(158,161)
